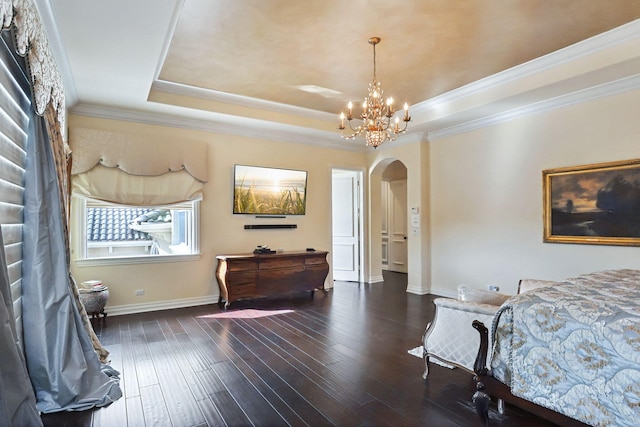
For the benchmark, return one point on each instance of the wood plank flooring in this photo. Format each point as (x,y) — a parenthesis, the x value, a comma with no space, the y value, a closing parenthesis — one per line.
(337,360)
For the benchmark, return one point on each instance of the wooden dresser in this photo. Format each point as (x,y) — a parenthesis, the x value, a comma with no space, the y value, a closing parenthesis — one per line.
(247,276)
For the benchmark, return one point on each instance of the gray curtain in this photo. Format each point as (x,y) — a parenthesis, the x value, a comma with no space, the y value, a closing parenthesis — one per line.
(63,366)
(17,401)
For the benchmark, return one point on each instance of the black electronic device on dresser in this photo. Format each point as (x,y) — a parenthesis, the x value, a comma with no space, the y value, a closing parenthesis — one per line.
(263,250)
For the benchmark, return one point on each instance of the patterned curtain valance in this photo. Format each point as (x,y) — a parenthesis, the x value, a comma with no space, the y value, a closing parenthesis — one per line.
(32,43)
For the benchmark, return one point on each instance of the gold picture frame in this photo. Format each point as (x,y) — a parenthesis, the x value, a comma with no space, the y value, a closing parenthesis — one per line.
(596,204)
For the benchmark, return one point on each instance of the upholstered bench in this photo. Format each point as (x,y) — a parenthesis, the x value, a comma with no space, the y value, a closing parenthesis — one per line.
(450,338)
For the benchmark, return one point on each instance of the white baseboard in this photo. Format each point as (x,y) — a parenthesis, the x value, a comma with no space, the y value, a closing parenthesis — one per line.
(417,291)
(444,292)
(119,310)
(375,279)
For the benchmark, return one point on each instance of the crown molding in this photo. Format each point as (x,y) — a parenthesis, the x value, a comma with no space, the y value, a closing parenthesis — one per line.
(223,124)
(584,95)
(407,138)
(175,17)
(456,121)
(218,96)
(243,101)
(606,40)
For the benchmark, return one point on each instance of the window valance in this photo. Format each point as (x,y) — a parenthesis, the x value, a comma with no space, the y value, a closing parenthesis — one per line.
(31,42)
(136,169)
(136,154)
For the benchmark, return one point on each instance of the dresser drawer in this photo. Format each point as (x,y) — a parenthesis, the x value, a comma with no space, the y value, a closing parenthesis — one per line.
(280,262)
(241,264)
(238,292)
(316,259)
(241,278)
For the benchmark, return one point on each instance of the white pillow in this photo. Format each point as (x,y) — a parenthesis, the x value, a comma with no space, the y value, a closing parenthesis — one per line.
(529,284)
(479,295)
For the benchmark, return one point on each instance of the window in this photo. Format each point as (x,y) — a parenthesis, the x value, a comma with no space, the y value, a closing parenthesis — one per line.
(149,191)
(114,233)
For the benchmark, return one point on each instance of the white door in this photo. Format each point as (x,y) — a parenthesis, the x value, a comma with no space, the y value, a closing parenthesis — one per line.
(346,225)
(397,244)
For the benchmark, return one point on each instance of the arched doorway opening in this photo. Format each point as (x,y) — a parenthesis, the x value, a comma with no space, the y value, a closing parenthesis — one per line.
(389,218)
(394,229)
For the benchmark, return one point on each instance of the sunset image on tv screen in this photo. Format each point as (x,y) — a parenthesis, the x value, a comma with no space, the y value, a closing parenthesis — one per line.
(269,191)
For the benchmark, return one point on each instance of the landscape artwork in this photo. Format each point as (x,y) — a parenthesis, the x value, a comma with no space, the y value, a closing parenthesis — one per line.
(269,191)
(593,204)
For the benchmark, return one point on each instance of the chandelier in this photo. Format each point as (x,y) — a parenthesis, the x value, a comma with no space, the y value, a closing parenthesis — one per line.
(375,120)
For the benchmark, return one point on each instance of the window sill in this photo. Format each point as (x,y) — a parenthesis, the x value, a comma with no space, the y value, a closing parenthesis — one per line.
(147,259)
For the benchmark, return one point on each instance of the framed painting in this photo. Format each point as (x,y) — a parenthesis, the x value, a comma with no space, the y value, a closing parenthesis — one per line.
(593,204)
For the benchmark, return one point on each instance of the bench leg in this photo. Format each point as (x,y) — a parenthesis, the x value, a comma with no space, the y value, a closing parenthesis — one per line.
(426,366)
(481,401)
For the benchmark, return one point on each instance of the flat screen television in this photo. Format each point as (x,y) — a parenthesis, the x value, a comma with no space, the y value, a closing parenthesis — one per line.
(269,191)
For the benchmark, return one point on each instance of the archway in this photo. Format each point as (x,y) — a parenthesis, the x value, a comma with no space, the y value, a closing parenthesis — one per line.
(389,225)
(394,217)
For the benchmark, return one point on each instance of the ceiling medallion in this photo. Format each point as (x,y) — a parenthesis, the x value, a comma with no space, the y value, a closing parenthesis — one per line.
(376,114)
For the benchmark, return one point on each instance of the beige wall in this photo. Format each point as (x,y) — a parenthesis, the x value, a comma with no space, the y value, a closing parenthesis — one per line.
(479,194)
(486,195)
(221,231)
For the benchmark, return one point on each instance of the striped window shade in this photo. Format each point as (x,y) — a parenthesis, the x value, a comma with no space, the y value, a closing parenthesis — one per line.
(15,113)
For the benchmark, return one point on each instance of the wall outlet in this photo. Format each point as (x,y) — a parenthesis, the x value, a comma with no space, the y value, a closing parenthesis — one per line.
(139,292)
(494,288)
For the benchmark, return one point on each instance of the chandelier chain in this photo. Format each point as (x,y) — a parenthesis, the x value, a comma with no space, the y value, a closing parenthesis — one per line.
(374,63)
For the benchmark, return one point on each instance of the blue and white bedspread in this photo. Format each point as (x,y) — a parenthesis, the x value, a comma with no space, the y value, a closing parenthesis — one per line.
(575,347)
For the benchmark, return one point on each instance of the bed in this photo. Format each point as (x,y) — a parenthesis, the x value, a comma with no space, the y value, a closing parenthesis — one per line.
(569,352)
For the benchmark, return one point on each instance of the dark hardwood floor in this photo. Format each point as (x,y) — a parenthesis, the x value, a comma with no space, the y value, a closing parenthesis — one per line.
(339,359)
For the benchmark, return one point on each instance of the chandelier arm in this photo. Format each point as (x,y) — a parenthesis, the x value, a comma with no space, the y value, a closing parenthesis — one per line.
(358,130)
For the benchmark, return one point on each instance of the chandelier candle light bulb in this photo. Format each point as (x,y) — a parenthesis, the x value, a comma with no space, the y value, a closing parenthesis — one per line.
(376,115)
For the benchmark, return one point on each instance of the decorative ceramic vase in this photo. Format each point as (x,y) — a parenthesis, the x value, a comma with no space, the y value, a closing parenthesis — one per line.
(94,301)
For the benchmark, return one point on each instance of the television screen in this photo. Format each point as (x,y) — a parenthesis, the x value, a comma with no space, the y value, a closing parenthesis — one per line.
(269,191)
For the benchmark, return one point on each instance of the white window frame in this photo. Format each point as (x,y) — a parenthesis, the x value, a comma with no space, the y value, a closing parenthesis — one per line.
(83,261)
